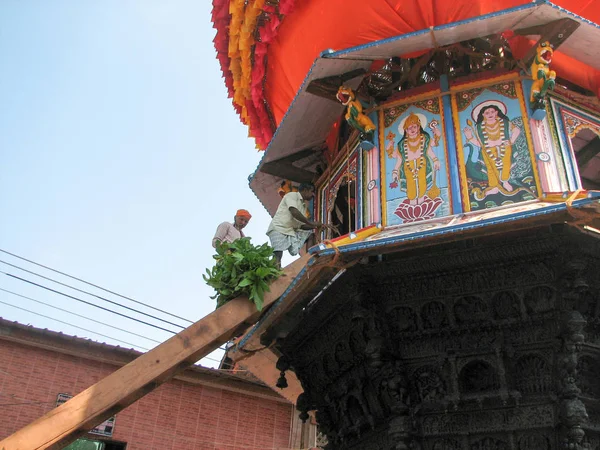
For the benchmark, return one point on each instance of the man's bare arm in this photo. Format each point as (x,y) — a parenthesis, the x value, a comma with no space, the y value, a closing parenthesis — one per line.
(307,224)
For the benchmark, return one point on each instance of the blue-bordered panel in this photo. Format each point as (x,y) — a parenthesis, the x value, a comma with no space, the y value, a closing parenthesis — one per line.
(570,121)
(496,157)
(549,157)
(414,163)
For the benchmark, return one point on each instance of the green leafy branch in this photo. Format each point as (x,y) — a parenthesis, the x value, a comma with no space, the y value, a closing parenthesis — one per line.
(242,269)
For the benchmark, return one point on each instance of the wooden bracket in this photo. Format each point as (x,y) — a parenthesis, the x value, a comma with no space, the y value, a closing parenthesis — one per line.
(284,167)
(554,32)
(327,87)
(588,152)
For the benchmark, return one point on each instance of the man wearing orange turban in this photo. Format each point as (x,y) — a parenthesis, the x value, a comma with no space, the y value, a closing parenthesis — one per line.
(229,232)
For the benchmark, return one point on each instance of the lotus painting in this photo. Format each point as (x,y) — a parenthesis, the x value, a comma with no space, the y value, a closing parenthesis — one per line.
(415,162)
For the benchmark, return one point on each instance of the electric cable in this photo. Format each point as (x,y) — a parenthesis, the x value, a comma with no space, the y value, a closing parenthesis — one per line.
(94,285)
(86,302)
(24,403)
(89,293)
(93,295)
(79,315)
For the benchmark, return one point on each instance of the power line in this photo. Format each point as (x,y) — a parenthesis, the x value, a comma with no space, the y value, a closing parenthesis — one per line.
(79,315)
(84,329)
(94,285)
(86,302)
(89,293)
(24,403)
(74,326)
(85,317)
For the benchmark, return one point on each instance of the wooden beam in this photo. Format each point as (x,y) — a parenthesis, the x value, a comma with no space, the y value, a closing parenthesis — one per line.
(587,152)
(288,171)
(327,87)
(120,389)
(284,167)
(554,32)
(262,365)
(299,155)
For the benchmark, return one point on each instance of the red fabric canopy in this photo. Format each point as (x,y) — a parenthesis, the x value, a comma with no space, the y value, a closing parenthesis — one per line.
(317,25)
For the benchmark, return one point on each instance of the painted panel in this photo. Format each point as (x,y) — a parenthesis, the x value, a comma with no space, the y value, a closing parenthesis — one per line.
(569,122)
(346,171)
(371,187)
(496,155)
(548,155)
(371,182)
(414,162)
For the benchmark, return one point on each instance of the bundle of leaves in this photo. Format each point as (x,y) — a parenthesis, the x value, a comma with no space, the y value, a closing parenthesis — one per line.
(242,269)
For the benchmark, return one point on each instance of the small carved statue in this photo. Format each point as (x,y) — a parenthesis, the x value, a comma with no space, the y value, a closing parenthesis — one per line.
(543,77)
(354,113)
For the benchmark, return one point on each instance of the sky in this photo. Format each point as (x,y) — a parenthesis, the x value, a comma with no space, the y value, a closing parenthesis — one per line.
(120,153)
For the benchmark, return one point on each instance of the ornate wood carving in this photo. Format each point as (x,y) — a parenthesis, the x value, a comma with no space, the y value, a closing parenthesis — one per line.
(476,346)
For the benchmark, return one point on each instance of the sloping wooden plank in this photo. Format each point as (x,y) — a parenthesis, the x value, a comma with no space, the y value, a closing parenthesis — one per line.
(261,360)
(262,365)
(110,395)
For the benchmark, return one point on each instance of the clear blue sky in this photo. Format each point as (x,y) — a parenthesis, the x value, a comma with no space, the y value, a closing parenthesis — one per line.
(120,153)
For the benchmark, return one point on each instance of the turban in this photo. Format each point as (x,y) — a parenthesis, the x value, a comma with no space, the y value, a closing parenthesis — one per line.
(243,213)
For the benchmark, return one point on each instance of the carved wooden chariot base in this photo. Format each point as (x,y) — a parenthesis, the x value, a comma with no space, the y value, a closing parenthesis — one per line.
(487,344)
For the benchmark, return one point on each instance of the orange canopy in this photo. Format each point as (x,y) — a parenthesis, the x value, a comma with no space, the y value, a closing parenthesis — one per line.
(318,25)
(294,33)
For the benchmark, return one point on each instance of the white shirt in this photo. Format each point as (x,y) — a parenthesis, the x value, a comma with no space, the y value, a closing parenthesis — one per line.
(226,232)
(283,221)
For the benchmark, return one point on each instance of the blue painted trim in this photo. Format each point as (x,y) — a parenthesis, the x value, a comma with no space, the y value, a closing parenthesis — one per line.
(399,37)
(565,151)
(428,30)
(573,175)
(359,189)
(452,148)
(455,228)
(566,11)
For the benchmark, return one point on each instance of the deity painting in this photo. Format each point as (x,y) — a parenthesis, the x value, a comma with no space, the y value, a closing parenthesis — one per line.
(497,158)
(417,185)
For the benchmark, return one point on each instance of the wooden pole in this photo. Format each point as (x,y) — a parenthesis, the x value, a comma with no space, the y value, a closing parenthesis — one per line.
(120,389)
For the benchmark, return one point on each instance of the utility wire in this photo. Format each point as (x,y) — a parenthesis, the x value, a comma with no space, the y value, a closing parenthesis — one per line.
(86,302)
(93,320)
(94,285)
(24,403)
(79,315)
(91,284)
(74,326)
(93,295)
(116,328)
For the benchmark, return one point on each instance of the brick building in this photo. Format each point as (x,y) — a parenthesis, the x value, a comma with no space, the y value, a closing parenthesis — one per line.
(201,409)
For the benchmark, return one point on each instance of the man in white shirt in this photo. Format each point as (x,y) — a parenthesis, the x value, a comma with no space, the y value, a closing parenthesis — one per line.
(229,232)
(290,227)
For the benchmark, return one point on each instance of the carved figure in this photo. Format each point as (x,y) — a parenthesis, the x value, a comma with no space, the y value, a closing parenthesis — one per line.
(354,112)
(395,388)
(543,77)
(429,384)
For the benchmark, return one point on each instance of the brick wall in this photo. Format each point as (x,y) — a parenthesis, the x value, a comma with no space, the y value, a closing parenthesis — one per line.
(178,415)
